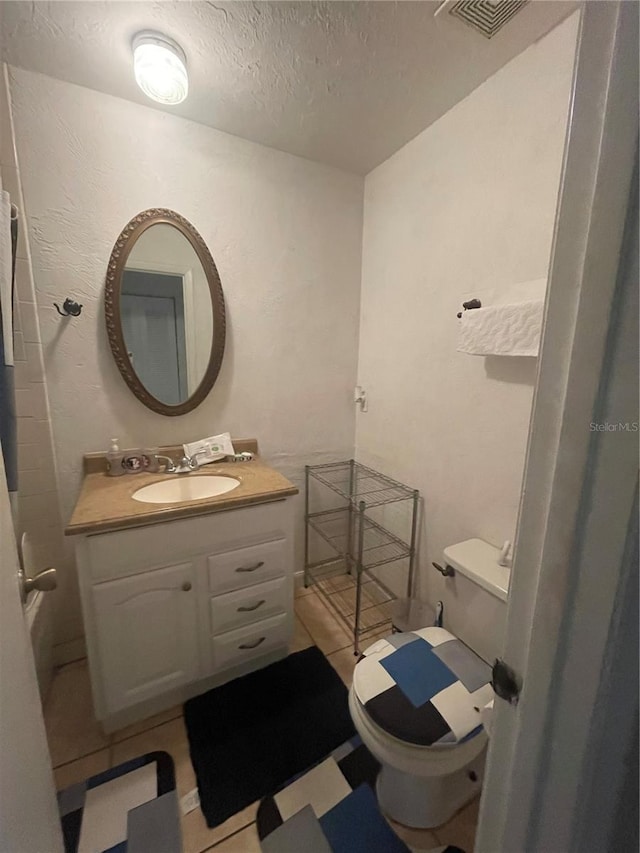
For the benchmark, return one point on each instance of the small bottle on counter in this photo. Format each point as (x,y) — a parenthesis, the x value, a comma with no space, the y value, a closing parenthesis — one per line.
(114,460)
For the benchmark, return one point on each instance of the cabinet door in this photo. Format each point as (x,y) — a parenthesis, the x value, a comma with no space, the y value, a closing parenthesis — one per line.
(147,634)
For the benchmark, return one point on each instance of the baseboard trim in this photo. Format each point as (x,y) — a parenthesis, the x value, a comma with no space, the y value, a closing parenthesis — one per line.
(69,651)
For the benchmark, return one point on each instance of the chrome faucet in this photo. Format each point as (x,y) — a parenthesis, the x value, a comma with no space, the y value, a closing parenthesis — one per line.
(184,466)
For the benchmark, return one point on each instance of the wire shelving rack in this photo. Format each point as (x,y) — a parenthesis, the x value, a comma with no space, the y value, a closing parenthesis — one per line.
(358,543)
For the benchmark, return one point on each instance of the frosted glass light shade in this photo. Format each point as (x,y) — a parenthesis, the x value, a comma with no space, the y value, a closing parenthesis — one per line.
(160,68)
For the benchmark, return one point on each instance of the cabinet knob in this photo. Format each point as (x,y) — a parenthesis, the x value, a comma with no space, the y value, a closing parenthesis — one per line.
(186,586)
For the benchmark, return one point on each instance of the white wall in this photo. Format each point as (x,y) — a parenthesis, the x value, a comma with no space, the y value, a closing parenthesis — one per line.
(464,210)
(285,234)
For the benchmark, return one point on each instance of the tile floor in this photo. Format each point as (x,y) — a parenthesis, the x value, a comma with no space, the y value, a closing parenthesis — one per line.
(79,748)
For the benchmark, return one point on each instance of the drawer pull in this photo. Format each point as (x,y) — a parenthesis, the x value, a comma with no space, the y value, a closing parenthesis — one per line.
(253,607)
(186,586)
(252,645)
(252,568)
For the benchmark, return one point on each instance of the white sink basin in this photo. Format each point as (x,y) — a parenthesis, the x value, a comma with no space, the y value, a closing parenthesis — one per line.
(186,488)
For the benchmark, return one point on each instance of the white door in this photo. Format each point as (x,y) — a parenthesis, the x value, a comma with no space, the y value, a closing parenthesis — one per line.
(152,312)
(574,565)
(147,634)
(29,820)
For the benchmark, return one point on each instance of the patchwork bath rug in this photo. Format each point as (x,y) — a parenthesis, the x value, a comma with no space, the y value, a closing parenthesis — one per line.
(132,808)
(331,808)
(248,737)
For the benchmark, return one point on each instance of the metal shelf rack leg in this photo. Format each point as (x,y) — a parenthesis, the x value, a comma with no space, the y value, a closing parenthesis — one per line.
(306,526)
(414,540)
(356,624)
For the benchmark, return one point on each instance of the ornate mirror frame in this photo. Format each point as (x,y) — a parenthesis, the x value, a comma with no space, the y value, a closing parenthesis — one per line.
(117,262)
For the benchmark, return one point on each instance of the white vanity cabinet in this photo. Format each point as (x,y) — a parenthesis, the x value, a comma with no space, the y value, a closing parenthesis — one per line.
(174,608)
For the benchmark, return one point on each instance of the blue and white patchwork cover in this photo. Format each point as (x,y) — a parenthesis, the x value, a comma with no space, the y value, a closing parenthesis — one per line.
(424,687)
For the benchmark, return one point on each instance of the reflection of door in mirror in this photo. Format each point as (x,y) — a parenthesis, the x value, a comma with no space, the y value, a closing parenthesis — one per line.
(166,314)
(152,311)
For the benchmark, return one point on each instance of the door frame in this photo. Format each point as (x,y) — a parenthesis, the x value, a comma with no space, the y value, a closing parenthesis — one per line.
(573,561)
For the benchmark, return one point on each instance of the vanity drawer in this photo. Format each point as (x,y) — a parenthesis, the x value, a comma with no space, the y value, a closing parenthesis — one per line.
(248,605)
(252,641)
(246,566)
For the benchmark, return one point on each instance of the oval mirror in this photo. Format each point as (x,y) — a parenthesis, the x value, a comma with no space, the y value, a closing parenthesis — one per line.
(164,310)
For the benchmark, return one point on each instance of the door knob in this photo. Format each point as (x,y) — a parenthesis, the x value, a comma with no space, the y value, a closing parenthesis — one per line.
(44,581)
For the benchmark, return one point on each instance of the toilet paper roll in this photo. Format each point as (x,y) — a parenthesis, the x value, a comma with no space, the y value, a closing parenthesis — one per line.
(486,715)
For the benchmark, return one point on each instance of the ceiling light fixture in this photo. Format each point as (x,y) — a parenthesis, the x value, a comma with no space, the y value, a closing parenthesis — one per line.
(160,67)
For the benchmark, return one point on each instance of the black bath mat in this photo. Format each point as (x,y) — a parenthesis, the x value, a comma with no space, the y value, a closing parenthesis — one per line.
(248,737)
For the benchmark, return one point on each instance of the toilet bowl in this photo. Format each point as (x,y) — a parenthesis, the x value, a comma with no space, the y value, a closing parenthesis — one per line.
(421,700)
(416,702)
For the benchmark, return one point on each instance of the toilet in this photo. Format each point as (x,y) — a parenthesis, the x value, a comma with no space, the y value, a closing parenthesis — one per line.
(422,700)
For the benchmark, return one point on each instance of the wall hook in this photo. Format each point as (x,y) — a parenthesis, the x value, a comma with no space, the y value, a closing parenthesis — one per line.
(69,308)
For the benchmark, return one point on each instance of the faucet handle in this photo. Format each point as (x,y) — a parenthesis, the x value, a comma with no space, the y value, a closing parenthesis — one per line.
(187,463)
(193,459)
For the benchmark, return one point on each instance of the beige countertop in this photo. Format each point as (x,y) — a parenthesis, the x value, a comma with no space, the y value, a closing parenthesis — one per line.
(105,503)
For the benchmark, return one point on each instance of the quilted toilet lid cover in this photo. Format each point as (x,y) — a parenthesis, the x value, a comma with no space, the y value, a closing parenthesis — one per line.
(424,687)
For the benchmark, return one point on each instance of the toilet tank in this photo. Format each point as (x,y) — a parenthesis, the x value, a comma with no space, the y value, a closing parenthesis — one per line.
(475,598)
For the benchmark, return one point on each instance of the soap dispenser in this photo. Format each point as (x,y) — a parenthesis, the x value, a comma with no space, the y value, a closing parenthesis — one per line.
(114,460)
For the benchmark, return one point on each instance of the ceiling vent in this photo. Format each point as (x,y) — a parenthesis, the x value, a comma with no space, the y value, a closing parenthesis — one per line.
(485,16)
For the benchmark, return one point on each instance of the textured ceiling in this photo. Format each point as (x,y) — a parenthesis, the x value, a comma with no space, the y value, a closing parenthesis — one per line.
(345,83)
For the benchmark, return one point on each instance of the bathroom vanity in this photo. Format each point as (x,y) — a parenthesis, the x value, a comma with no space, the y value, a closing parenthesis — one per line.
(178,598)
